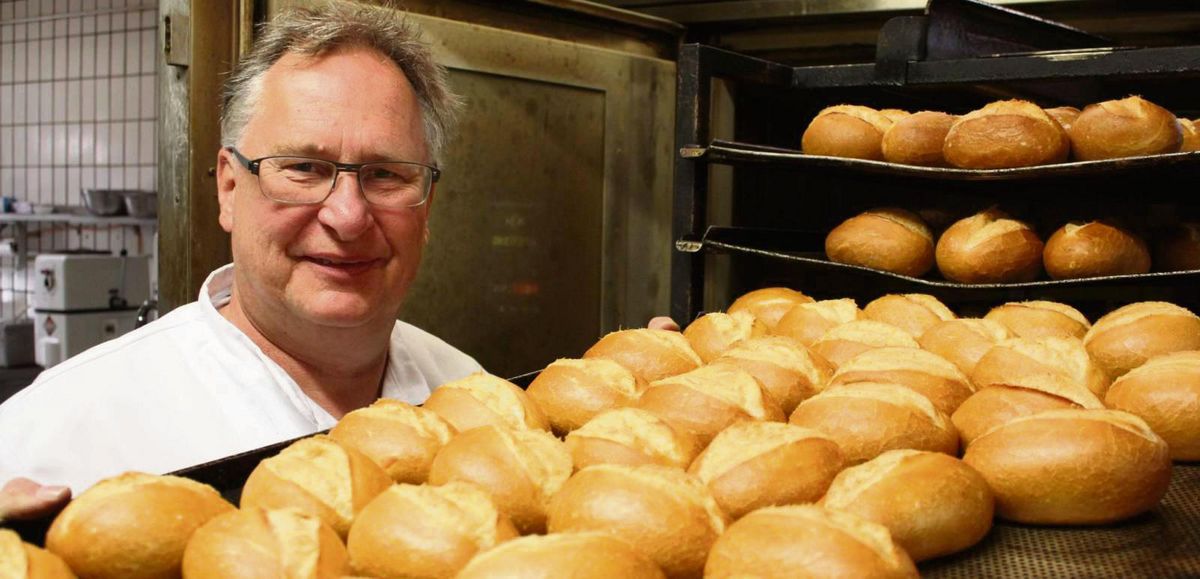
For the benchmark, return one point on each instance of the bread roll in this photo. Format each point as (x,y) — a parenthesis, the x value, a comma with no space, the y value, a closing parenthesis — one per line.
(806,541)
(768,304)
(1094,249)
(932,503)
(1065,116)
(1128,127)
(398,436)
(1165,392)
(520,469)
(806,323)
(650,354)
(894,114)
(482,399)
(1191,136)
(318,476)
(1024,362)
(132,525)
(1126,337)
(571,392)
(867,419)
(851,339)
(425,531)
(917,139)
(260,544)
(19,560)
(667,515)
(576,555)
(751,465)
(1178,249)
(633,437)
(997,404)
(1005,134)
(922,372)
(1040,319)
(913,313)
(788,372)
(706,400)
(963,341)
(886,238)
(1072,467)
(846,131)
(989,247)
(712,334)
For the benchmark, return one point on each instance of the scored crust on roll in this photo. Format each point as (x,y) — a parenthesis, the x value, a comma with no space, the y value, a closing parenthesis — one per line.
(19,560)
(1128,127)
(788,372)
(400,437)
(585,555)
(913,313)
(1040,319)
(1005,134)
(712,334)
(631,436)
(1094,249)
(884,238)
(846,131)
(265,543)
(963,341)
(806,540)
(706,400)
(1025,362)
(917,139)
(481,399)
(1128,336)
(1064,115)
(996,404)
(853,338)
(572,391)
(1178,249)
(649,353)
(923,372)
(894,114)
(806,323)
(989,247)
(1165,392)
(768,305)
(932,503)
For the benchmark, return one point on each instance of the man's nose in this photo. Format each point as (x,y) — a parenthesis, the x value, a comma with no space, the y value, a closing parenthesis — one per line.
(346,210)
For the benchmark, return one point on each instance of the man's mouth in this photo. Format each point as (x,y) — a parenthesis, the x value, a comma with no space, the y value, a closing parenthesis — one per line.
(347,264)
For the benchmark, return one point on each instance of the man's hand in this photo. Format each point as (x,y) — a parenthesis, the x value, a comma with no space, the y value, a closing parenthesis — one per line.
(22,498)
(663,323)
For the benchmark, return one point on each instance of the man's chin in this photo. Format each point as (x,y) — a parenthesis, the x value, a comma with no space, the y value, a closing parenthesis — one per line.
(343,312)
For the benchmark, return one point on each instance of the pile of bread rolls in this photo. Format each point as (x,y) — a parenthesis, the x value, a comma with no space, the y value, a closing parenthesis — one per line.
(992,247)
(1003,134)
(782,437)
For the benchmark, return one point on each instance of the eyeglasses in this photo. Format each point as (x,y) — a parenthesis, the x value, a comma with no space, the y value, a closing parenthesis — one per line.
(306,181)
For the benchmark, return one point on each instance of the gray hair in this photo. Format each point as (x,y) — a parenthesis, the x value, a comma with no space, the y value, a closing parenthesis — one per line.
(313,32)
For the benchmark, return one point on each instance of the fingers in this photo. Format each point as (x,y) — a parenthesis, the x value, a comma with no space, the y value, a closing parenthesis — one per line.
(22,498)
(663,323)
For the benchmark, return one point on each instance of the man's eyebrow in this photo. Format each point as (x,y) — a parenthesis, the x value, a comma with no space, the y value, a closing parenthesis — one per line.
(317,152)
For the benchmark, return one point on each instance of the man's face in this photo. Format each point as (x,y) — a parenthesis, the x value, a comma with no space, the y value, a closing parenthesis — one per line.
(344,262)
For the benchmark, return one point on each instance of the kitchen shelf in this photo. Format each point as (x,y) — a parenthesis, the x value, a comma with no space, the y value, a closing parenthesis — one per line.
(76,219)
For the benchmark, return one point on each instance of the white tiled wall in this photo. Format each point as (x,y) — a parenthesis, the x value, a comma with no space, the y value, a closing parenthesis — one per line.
(78,109)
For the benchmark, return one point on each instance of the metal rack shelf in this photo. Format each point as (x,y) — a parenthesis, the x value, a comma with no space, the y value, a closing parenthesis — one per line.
(76,219)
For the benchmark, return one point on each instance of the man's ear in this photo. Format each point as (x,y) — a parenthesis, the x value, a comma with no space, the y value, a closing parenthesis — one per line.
(226,188)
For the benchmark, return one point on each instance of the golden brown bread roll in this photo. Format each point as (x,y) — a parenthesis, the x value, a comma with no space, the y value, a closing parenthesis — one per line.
(787,371)
(666,514)
(711,334)
(851,339)
(1178,249)
(1165,392)
(922,372)
(917,139)
(846,131)
(1005,134)
(1025,362)
(1094,249)
(633,437)
(996,404)
(520,469)
(482,399)
(1040,319)
(1065,116)
(398,436)
(989,247)
(963,341)
(806,541)
(867,419)
(571,392)
(1191,136)
(806,323)
(706,400)
(932,503)
(1128,127)
(913,313)
(894,114)
(257,543)
(768,304)
(19,560)
(133,525)
(425,531)
(650,354)
(591,555)
(751,465)
(1072,467)
(885,238)
(1126,337)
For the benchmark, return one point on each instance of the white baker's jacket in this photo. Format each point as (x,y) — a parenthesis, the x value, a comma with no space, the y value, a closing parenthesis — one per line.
(184,390)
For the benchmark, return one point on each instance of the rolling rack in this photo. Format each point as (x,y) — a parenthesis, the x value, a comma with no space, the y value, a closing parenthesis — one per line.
(956,57)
